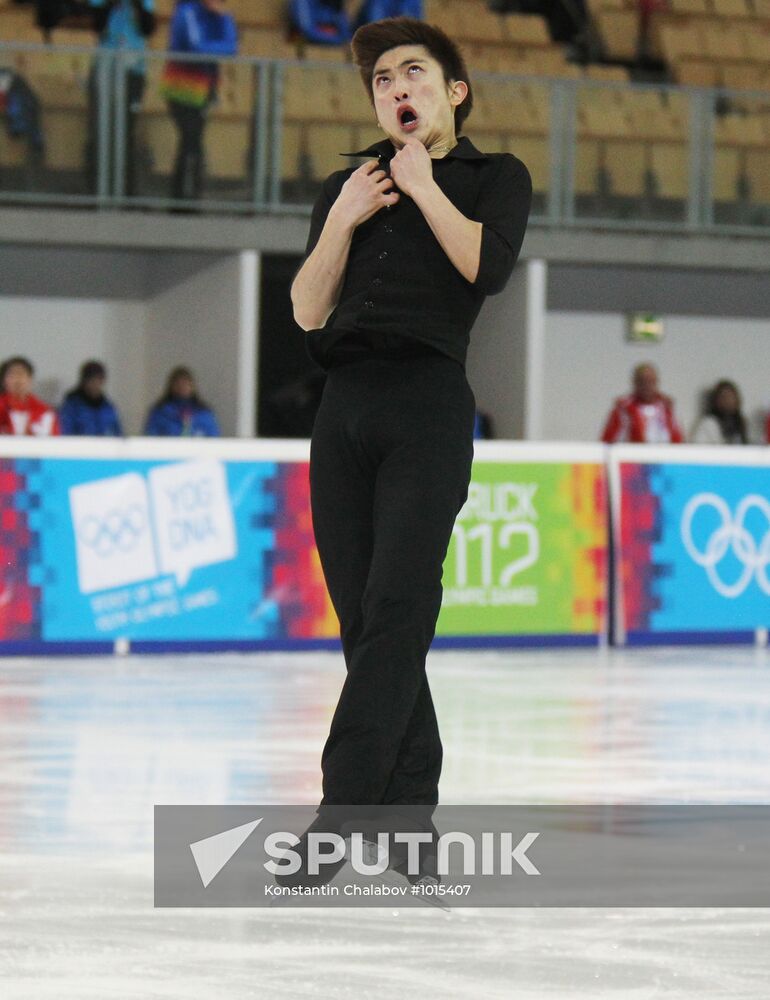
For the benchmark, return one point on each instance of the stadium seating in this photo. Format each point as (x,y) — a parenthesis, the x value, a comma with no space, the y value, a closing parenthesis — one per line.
(628,141)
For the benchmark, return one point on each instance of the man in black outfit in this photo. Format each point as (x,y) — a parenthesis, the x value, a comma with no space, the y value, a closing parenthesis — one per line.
(401,253)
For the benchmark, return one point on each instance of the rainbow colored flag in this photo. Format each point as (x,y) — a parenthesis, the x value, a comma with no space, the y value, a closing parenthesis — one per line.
(187,83)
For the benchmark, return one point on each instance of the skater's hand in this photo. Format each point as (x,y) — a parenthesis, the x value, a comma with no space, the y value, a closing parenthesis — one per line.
(366,191)
(411,167)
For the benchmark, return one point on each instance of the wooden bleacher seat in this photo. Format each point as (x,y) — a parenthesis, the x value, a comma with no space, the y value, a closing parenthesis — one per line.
(595,5)
(18,26)
(731,8)
(680,41)
(652,116)
(443,14)
(325,53)
(487,142)
(526,29)
(299,82)
(536,154)
(723,42)
(758,44)
(226,143)
(690,6)
(595,71)
(474,21)
(744,76)
(627,163)
(697,73)
(312,152)
(738,129)
(671,167)
(270,43)
(65,134)
(758,173)
(587,164)
(619,30)
(600,114)
(728,165)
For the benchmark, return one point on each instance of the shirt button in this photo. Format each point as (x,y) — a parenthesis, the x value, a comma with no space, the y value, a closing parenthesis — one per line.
(376,281)
(369,304)
(387,228)
(383,255)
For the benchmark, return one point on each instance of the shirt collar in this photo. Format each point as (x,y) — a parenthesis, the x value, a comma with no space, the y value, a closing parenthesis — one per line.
(384,149)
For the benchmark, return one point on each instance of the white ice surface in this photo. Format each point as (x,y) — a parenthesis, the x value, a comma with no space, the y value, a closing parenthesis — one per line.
(87,747)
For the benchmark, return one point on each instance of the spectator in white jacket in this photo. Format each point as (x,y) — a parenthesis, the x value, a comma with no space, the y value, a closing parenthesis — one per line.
(722,421)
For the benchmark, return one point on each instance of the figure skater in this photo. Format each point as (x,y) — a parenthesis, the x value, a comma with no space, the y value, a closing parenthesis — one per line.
(402,251)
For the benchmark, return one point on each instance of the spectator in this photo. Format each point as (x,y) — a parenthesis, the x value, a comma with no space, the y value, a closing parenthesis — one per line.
(722,421)
(122,25)
(376,10)
(323,22)
(20,411)
(180,412)
(197,27)
(86,410)
(482,426)
(646,415)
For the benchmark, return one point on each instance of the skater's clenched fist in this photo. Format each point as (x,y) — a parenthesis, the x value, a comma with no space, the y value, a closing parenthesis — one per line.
(366,191)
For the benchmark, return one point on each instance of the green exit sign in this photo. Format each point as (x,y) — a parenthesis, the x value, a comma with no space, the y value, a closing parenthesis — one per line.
(645,327)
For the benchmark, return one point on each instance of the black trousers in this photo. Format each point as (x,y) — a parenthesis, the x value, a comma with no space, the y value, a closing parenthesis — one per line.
(189,165)
(390,463)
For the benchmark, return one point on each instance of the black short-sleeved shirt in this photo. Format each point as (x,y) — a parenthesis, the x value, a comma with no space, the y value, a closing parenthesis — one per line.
(401,294)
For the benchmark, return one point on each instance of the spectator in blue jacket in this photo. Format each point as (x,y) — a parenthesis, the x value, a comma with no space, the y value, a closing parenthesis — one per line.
(86,410)
(198,27)
(122,25)
(324,22)
(376,10)
(180,412)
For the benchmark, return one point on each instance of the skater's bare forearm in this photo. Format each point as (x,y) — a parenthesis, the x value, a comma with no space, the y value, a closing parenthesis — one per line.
(315,290)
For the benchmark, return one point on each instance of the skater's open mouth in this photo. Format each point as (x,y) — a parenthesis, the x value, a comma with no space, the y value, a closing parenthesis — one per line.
(407,116)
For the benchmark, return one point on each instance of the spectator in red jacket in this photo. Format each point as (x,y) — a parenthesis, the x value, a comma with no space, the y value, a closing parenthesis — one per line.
(646,415)
(20,411)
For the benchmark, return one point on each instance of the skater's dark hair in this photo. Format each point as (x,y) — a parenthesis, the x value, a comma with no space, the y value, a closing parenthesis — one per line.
(371,40)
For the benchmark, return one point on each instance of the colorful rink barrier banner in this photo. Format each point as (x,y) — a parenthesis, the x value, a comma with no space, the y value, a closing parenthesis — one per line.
(151,544)
(529,547)
(692,543)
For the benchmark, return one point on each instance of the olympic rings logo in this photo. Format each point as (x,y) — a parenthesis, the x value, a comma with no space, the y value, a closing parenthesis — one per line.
(117,531)
(731,535)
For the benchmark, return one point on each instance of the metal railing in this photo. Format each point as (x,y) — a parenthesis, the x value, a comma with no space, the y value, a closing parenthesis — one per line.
(610,155)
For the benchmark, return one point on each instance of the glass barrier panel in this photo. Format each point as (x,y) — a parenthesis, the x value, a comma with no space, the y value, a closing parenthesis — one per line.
(49,147)
(632,153)
(513,115)
(741,160)
(325,112)
(185,138)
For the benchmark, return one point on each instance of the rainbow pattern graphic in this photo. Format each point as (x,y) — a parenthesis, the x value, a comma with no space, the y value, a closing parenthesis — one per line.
(186,83)
(205,553)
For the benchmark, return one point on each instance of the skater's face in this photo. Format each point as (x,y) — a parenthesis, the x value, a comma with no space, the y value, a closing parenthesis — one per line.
(646,383)
(18,381)
(411,96)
